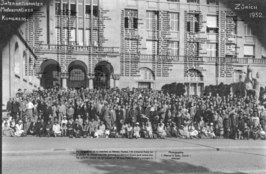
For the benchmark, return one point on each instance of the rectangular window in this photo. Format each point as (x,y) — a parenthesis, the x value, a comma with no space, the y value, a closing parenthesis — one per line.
(212,50)
(230,50)
(188,26)
(212,21)
(72,35)
(248,31)
(87,37)
(152,47)
(213,2)
(95,11)
(174,21)
(151,20)
(249,51)
(231,25)
(57,33)
(88,10)
(196,27)
(80,10)
(212,26)
(80,37)
(64,36)
(126,22)
(73,10)
(173,48)
(173,0)
(192,1)
(65,9)
(57,8)
(135,23)
(131,19)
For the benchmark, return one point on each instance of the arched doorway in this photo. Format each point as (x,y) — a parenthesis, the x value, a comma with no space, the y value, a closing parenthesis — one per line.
(50,71)
(77,74)
(194,82)
(146,78)
(103,71)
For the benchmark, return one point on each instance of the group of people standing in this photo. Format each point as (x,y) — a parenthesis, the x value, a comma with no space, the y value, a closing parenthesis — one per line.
(136,113)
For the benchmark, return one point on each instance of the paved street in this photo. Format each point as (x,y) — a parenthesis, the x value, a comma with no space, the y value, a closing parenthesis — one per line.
(57,155)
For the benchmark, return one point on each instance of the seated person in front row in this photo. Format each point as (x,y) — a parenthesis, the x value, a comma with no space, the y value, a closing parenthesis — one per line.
(160,130)
(85,129)
(100,132)
(70,126)
(7,131)
(49,129)
(57,129)
(19,129)
(136,131)
(77,129)
(64,126)
(123,130)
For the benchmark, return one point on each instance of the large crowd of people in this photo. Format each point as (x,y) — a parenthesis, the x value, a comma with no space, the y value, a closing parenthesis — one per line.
(136,113)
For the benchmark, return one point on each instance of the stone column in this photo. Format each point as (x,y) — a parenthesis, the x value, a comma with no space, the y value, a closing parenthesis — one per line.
(116,80)
(91,77)
(64,77)
(112,81)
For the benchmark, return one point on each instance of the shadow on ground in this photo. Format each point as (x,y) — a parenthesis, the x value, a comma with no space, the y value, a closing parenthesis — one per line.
(145,166)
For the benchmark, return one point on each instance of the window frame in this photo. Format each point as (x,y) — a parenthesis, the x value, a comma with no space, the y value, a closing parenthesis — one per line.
(249,56)
(172,48)
(152,18)
(174,21)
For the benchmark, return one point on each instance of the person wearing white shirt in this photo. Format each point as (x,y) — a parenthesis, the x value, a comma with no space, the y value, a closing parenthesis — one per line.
(19,129)
(56,129)
(29,107)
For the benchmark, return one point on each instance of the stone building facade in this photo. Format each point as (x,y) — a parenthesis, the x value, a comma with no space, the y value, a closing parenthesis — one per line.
(139,43)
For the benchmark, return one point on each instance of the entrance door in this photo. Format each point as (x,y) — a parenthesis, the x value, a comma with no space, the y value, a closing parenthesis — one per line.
(50,74)
(146,85)
(77,74)
(103,72)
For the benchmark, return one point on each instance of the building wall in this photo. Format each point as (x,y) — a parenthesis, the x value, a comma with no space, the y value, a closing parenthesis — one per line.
(127,60)
(14,76)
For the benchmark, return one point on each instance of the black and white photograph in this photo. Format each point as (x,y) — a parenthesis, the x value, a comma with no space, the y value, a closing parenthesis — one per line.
(133,86)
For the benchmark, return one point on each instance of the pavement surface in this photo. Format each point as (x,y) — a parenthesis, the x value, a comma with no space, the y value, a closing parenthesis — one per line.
(59,155)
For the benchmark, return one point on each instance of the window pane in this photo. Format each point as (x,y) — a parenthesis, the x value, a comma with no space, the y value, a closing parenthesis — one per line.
(87,37)
(249,50)
(72,35)
(73,9)
(95,11)
(65,9)
(57,8)
(211,50)
(80,10)
(88,10)
(80,37)
(212,21)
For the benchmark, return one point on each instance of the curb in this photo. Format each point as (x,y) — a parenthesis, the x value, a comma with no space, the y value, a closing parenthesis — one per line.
(73,151)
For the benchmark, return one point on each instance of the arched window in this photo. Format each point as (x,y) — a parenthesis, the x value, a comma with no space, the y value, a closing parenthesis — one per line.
(77,75)
(146,74)
(194,75)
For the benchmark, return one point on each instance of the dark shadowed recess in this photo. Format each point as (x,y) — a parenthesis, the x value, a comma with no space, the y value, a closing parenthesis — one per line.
(257,25)
(118,166)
